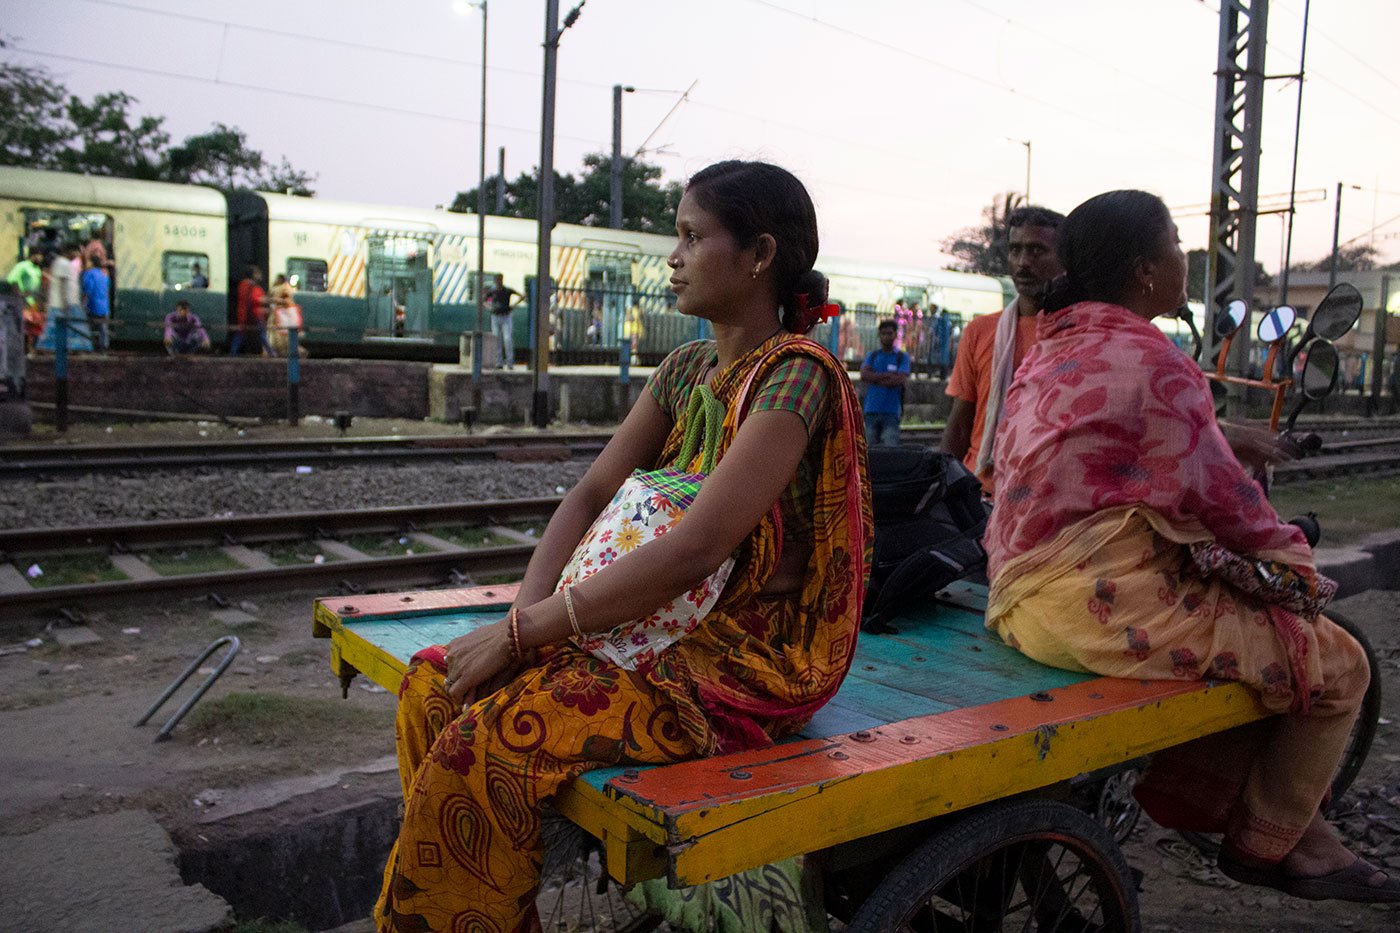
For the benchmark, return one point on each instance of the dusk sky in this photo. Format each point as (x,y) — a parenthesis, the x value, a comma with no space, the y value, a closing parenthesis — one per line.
(903,117)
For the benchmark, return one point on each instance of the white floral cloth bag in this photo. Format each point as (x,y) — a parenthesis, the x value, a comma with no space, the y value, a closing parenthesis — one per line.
(648,505)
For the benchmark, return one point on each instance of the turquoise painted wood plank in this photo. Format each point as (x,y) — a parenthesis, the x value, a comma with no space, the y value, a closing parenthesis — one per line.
(835,719)
(884,701)
(955,674)
(404,636)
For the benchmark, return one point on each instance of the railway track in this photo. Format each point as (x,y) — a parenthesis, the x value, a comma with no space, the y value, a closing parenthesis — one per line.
(427,544)
(120,459)
(430,544)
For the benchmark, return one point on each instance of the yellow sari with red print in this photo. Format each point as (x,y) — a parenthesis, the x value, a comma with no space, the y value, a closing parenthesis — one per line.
(469,854)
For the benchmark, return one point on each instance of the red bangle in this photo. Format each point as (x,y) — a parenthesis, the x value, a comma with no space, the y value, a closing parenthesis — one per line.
(515,652)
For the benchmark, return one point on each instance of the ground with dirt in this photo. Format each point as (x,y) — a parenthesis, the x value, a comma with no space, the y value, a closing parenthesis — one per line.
(71,750)
(67,714)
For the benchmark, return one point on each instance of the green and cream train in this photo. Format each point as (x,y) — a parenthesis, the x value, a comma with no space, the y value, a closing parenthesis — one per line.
(374,280)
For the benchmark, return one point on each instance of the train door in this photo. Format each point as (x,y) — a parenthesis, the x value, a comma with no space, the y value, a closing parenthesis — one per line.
(398,286)
(609,292)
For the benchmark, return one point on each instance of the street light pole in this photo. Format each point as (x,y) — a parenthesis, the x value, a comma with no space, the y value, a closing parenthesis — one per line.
(1336,230)
(1027,144)
(479,339)
(544,286)
(615,192)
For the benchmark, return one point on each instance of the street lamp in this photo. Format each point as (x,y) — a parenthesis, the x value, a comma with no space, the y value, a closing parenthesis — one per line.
(461,7)
(615,192)
(1027,144)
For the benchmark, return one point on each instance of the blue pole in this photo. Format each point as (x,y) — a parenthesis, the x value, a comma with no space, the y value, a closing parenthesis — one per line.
(531,289)
(293,375)
(833,341)
(60,370)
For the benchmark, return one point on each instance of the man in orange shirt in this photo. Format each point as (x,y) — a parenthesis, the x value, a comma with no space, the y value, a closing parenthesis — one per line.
(992,346)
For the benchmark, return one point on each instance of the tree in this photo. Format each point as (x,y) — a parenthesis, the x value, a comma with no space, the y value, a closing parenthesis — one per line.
(34,126)
(985,248)
(648,205)
(43,126)
(109,140)
(1356,257)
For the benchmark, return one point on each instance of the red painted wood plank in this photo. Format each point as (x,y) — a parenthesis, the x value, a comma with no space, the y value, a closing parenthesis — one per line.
(676,789)
(402,604)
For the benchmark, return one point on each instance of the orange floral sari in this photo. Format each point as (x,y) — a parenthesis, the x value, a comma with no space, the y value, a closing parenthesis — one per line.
(469,854)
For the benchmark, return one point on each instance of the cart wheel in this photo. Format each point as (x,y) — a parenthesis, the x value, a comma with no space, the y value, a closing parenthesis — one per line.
(576,895)
(1363,733)
(1017,865)
(1116,809)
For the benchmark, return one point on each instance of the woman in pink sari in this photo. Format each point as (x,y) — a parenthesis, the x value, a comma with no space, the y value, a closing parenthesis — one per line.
(1110,469)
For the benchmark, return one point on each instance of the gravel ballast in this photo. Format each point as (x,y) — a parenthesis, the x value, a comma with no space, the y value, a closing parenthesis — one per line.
(97,499)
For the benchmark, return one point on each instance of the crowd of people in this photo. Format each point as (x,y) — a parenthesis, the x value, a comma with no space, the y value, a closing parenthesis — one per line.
(70,285)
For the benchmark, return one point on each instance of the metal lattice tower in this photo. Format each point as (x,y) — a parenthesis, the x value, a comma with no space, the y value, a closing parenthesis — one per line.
(1234,197)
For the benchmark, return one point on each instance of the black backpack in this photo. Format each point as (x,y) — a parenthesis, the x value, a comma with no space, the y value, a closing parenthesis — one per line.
(929,517)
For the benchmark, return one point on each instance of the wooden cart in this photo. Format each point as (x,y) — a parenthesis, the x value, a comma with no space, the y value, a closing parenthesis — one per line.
(937,765)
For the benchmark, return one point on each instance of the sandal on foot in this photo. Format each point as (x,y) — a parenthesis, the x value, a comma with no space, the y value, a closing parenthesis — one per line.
(1352,883)
(1268,876)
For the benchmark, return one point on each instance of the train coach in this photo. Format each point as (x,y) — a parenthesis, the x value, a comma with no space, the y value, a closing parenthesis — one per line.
(382,281)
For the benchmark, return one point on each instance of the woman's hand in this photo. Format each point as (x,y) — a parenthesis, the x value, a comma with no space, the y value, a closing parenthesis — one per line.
(476,657)
(1256,447)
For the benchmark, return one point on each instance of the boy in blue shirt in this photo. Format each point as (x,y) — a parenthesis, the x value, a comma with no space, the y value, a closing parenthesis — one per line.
(884,371)
(97,301)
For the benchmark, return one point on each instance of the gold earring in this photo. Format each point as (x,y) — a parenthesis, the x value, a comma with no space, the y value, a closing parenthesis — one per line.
(757,266)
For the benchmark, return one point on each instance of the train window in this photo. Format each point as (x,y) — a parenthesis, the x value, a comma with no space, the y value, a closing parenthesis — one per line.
(184,270)
(488,277)
(49,230)
(308,275)
(865,306)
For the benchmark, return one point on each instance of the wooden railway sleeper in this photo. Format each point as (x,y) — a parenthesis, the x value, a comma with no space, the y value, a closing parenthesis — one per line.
(173,721)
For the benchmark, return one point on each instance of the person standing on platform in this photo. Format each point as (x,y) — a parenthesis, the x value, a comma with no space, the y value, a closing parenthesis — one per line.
(65,303)
(884,372)
(251,314)
(184,331)
(992,346)
(97,301)
(28,278)
(940,357)
(502,323)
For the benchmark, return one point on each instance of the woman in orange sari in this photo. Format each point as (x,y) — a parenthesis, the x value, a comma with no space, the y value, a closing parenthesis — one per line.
(1113,478)
(538,708)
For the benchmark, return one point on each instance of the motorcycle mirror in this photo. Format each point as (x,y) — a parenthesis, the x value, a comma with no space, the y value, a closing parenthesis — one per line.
(1337,312)
(1320,370)
(1276,323)
(1231,319)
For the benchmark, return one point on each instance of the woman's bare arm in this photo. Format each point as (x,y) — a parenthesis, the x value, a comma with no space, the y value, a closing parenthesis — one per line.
(635,445)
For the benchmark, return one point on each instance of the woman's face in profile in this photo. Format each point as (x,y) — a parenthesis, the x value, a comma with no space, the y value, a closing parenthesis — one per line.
(1170,292)
(706,270)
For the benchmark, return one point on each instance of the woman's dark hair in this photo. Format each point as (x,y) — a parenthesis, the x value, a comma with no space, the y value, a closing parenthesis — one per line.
(753,198)
(1101,243)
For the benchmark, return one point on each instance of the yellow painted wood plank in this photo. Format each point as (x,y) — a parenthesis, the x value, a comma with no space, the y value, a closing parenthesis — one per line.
(710,844)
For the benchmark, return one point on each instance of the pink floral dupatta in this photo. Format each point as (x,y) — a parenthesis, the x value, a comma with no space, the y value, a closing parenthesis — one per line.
(1106,412)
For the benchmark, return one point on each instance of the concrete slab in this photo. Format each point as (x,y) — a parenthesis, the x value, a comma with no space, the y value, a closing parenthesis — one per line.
(134,567)
(340,549)
(248,557)
(266,796)
(75,636)
(99,874)
(12,580)
(511,534)
(434,542)
(232,617)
